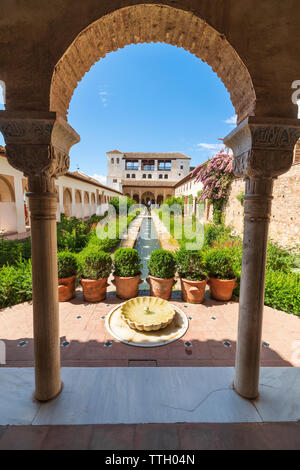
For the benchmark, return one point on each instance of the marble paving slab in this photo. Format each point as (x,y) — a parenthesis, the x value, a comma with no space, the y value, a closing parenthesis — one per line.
(149,395)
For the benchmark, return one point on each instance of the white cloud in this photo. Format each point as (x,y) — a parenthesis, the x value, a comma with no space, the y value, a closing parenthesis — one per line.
(232,120)
(210,146)
(100,178)
(103,97)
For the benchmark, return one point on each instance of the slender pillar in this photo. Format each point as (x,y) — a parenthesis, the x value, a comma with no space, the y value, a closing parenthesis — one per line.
(38,144)
(45,294)
(61,199)
(258,200)
(263,149)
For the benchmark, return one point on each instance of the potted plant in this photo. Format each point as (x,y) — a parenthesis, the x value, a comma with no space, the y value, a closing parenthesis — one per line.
(162,267)
(67,271)
(222,276)
(192,273)
(127,272)
(96,269)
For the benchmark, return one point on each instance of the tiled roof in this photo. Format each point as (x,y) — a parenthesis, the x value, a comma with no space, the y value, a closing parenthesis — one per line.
(83,177)
(114,151)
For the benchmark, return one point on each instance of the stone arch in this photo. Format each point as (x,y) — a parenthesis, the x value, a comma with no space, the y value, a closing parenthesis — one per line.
(160,199)
(93,203)
(67,202)
(148,197)
(145,24)
(7,193)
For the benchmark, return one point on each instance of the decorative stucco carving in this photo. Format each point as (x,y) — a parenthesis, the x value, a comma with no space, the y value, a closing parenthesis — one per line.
(263,149)
(38,146)
(145,24)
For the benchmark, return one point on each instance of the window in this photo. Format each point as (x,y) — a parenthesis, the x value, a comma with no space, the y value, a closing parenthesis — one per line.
(144,176)
(118,161)
(132,165)
(148,165)
(127,176)
(166,177)
(181,167)
(115,181)
(133,176)
(149,177)
(164,165)
(160,177)
(112,161)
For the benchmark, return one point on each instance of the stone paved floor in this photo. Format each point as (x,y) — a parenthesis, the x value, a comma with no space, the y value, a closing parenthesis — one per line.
(245,436)
(84,338)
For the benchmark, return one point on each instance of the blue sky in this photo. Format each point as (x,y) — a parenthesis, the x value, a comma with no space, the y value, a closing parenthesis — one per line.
(148,98)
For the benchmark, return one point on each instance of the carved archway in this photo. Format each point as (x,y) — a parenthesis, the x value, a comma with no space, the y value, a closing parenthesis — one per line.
(145,24)
(67,202)
(7,193)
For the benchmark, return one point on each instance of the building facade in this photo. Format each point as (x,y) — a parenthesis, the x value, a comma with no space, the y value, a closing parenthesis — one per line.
(146,176)
(78,196)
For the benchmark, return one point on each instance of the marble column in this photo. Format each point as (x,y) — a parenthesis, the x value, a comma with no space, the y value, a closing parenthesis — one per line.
(38,143)
(263,149)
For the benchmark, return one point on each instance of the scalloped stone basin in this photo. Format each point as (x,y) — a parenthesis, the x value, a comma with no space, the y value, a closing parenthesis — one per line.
(147,313)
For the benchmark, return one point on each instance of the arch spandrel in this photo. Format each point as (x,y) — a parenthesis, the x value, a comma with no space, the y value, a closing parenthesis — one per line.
(145,24)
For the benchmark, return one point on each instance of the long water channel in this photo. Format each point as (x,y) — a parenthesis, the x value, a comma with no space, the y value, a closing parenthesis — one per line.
(147,241)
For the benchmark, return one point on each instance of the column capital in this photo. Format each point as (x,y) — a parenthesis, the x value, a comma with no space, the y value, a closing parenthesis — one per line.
(38,144)
(263,147)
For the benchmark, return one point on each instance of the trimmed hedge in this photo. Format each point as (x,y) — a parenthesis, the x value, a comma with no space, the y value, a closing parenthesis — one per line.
(97,265)
(191,265)
(127,262)
(162,264)
(67,264)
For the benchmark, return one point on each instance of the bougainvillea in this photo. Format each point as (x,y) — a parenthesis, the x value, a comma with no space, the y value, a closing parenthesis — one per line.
(216,175)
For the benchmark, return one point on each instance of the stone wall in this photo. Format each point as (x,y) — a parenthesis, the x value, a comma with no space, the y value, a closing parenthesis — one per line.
(285,219)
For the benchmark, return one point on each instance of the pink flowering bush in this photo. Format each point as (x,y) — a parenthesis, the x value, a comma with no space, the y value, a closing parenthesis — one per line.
(216,175)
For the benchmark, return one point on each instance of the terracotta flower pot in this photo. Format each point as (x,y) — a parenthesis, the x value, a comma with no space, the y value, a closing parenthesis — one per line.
(161,288)
(193,291)
(66,289)
(94,291)
(222,289)
(127,287)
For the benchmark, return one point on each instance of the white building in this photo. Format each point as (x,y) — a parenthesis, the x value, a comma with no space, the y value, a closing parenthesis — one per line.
(130,167)
(78,196)
(188,186)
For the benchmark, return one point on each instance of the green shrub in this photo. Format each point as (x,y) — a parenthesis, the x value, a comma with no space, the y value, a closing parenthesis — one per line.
(216,233)
(122,204)
(127,262)
(283,291)
(15,284)
(179,201)
(10,252)
(162,264)
(278,258)
(97,265)
(66,264)
(220,263)
(191,265)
